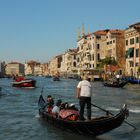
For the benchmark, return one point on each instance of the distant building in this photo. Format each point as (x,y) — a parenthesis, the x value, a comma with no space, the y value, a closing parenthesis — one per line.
(132,48)
(55,65)
(69,63)
(33,68)
(114,47)
(14,68)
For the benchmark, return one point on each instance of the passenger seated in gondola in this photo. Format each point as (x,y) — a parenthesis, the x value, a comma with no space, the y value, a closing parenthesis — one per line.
(56,109)
(69,112)
(50,103)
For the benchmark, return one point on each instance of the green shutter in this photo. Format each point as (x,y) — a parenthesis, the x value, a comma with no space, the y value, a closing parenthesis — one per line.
(129,53)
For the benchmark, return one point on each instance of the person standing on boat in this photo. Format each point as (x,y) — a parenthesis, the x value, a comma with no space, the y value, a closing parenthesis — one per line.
(84,96)
(118,78)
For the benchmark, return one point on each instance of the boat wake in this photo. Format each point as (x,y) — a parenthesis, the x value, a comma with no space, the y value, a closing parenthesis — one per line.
(37,116)
(135,110)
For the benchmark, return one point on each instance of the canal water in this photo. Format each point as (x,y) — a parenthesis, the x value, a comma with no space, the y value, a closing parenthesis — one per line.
(19,119)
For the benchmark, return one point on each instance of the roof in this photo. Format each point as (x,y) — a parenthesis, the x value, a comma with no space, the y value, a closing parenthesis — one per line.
(32,62)
(136,24)
(117,32)
(15,63)
(101,32)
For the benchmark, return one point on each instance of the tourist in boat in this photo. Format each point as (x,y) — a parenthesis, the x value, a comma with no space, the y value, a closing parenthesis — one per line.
(50,103)
(56,108)
(68,112)
(84,96)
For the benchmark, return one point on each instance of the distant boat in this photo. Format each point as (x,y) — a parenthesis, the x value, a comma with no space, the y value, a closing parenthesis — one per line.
(115,83)
(48,76)
(56,78)
(122,84)
(23,82)
(134,81)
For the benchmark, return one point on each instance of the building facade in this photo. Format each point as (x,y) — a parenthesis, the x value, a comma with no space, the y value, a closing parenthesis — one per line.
(55,65)
(132,48)
(69,62)
(14,68)
(113,46)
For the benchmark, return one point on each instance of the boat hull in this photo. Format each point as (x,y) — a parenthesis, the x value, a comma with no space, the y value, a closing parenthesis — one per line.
(28,83)
(135,81)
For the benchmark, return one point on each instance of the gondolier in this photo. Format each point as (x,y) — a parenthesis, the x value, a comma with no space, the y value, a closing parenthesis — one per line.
(84,96)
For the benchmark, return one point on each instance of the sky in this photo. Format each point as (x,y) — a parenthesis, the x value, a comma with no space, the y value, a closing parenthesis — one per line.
(41,29)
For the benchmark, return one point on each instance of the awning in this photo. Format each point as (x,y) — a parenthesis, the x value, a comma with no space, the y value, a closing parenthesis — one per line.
(129,52)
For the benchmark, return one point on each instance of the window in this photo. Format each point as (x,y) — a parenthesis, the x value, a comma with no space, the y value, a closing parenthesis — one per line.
(131,41)
(131,63)
(98,37)
(137,39)
(78,60)
(92,56)
(98,46)
(98,56)
(137,52)
(74,64)
(89,65)
(126,42)
(89,57)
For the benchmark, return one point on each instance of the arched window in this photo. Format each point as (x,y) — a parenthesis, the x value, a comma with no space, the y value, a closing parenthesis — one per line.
(74,64)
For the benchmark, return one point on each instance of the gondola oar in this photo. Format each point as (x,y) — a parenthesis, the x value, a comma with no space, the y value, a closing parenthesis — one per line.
(112,114)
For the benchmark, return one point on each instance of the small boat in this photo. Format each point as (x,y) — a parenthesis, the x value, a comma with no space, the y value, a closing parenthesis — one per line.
(117,84)
(94,127)
(23,82)
(56,78)
(48,76)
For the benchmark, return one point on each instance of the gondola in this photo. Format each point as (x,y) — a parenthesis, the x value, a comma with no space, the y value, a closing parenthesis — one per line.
(115,84)
(94,127)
